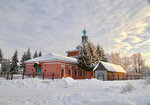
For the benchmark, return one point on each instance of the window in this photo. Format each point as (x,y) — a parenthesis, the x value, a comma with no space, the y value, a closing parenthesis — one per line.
(62,72)
(69,71)
(81,73)
(76,73)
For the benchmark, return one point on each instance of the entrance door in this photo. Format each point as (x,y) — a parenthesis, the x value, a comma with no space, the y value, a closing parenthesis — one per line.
(100,76)
(38,71)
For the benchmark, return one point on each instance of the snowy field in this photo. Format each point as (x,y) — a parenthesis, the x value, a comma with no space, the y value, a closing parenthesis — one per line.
(73,92)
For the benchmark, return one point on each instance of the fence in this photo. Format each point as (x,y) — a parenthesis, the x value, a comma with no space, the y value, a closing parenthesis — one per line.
(49,75)
(128,76)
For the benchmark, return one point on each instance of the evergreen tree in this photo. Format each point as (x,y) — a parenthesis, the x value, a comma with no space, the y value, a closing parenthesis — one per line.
(100,54)
(90,55)
(22,62)
(28,55)
(40,53)
(1,56)
(87,56)
(14,62)
(6,65)
(35,55)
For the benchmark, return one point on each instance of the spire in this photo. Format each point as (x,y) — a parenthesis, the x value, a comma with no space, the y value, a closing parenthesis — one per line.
(84,31)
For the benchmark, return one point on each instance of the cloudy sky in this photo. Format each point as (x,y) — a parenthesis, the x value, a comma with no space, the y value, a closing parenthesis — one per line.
(56,25)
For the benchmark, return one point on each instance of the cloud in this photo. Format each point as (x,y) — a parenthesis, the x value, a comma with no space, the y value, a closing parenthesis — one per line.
(133,39)
(146,42)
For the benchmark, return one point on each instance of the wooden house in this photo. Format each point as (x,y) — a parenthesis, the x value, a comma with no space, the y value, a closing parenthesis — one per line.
(108,71)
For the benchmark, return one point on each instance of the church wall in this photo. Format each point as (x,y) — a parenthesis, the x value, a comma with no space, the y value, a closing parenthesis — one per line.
(57,66)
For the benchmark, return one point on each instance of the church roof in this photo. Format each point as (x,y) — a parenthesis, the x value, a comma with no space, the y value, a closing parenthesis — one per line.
(110,67)
(52,57)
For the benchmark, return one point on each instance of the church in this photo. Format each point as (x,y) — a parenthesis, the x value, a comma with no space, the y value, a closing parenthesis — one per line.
(65,66)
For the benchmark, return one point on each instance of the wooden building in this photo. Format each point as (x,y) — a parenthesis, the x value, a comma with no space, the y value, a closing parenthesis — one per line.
(108,71)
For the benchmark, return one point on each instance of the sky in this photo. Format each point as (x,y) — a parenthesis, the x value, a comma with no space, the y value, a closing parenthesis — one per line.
(121,26)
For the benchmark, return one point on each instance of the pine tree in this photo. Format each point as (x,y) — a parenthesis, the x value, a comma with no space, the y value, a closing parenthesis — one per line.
(35,55)
(6,65)
(40,53)
(14,62)
(90,55)
(100,54)
(22,62)
(87,56)
(28,55)
(1,56)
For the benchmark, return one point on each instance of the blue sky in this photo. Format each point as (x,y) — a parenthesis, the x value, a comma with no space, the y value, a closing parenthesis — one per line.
(56,25)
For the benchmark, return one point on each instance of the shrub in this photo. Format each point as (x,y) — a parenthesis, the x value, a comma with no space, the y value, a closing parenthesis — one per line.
(127,88)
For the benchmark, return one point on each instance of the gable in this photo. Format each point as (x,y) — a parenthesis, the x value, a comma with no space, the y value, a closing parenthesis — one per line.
(100,67)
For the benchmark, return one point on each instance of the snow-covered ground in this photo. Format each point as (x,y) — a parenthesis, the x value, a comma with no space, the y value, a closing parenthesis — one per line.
(73,92)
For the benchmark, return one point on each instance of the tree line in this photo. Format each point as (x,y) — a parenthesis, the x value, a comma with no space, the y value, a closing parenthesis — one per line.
(89,56)
(13,64)
(134,62)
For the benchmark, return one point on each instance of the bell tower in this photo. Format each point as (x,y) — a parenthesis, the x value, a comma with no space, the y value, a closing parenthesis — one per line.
(75,53)
(84,37)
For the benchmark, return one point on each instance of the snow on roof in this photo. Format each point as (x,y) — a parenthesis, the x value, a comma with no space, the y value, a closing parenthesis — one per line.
(111,67)
(52,57)
(72,50)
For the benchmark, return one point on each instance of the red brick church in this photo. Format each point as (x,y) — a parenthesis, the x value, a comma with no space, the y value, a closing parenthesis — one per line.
(66,66)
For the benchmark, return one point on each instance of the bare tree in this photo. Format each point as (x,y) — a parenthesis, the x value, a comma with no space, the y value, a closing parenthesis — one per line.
(114,58)
(141,63)
(134,62)
(125,62)
(138,63)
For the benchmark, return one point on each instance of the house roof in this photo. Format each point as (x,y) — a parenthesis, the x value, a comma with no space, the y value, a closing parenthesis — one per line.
(110,67)
(52,57)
